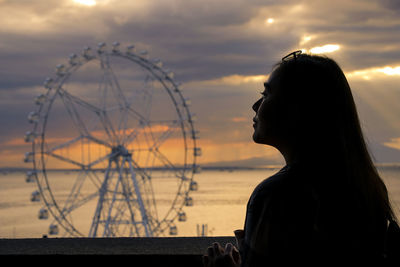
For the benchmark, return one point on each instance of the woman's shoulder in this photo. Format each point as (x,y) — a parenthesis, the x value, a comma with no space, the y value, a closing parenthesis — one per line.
(274,183)
(288,179)
(284,175)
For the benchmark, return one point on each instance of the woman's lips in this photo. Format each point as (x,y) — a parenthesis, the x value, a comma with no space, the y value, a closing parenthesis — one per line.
(255,122)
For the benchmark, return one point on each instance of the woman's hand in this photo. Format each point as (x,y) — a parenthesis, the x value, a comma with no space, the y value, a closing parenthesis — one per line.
(220,257)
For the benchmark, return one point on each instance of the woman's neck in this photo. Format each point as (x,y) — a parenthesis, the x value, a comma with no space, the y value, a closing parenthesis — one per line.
(289,154)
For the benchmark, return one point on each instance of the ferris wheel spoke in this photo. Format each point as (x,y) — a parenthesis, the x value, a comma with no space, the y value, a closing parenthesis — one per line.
(65,144)
(140,170)
(119,93)
(75,117)
(73,201)
(153,142)
(168,164)
(142,119)
(108,127)
(75,188)
(112,82)
(149,92)
(64,159)
(80,101)
(162,138)
(78,203)
(73,141)
(103,92)
(101,114)
(151,200)
(131,136)
(122,126)
(98,141)
(95,179)
(97,161)
(146,100)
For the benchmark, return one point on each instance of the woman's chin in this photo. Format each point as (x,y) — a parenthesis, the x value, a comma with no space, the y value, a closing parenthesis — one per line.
(257,139)
(261,139)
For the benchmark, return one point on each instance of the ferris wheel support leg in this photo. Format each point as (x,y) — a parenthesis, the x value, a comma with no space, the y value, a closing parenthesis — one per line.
(126,193)
(140,200)
(103,191)
(107,231)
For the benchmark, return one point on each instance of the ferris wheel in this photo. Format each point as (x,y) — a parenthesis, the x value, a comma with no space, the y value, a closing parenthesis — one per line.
(114,149)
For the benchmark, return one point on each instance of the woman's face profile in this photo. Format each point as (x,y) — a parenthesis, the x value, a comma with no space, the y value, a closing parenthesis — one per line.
(267,122)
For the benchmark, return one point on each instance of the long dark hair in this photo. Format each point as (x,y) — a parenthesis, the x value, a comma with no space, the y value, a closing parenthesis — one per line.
(326,128)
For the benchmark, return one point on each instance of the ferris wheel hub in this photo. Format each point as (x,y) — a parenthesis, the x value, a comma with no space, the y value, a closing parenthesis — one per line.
(119,151)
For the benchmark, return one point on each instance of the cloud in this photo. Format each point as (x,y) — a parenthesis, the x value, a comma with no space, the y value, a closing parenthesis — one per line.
(392,5)
(221,50)
(329,48)
(393,143)
(235,80)
(375,72)
(240,119)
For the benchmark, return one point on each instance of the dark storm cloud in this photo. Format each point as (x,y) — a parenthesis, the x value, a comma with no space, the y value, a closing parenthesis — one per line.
(200,30)
(200,39)
(393,5)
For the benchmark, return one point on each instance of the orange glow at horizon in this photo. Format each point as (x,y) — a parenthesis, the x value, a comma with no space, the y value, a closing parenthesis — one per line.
(173,149)
(85,151)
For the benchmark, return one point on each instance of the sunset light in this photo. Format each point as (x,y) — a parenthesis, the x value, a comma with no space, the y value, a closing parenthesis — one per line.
(367,74)
(236,79)
(86,2)
(329,48)
(390,70)
(269,21)
(305,39)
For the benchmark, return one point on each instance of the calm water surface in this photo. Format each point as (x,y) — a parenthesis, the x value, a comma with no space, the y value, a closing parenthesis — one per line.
(220,202)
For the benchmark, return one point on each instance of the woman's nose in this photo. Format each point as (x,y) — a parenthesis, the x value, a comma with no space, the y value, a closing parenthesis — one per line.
(257,105)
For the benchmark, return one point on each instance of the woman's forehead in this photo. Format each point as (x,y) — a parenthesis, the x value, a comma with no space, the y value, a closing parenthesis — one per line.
(271,81)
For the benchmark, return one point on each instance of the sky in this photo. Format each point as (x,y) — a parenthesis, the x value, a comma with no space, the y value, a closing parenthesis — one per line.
(222,52)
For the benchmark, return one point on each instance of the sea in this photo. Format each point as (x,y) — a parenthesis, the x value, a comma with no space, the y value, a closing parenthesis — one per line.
(219,204)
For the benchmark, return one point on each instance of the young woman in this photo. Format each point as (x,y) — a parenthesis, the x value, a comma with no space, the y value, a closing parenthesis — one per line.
(328,204)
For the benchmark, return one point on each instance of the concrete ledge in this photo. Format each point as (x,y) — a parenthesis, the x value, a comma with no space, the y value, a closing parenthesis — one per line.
(165,251)
(109,246)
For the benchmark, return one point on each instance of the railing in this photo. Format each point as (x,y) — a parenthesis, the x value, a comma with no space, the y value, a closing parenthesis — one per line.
(163,251)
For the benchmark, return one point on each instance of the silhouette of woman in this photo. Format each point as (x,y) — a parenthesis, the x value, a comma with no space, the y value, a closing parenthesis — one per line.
(328,204)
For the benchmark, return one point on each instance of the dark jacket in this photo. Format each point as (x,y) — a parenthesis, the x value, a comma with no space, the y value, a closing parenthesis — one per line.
(288,221)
